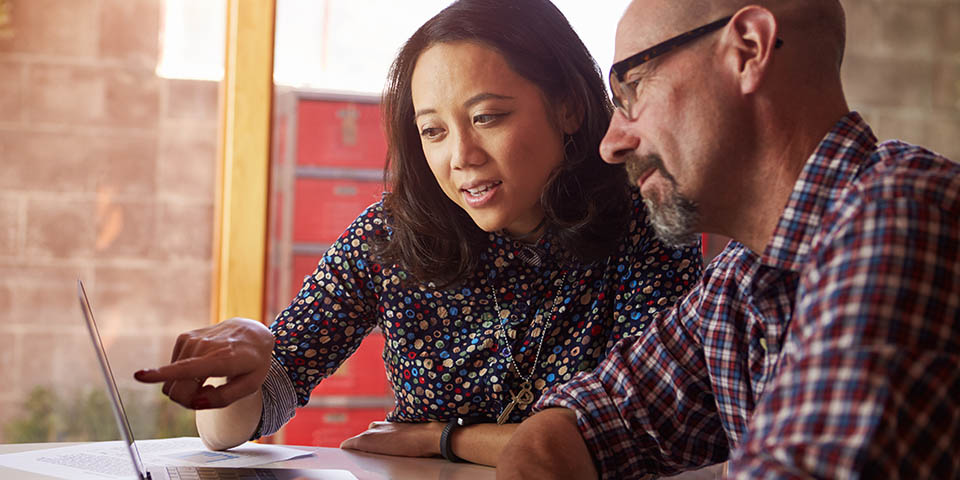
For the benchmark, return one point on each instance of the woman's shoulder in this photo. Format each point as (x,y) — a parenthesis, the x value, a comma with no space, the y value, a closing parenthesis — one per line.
(638,224)
(375,215)
(371,222)
(636,203)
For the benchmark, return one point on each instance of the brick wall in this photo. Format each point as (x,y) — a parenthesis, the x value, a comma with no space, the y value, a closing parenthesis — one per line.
(107,174)
(902,69)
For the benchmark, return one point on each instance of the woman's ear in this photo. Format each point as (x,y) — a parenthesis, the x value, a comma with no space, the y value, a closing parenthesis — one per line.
(570,116)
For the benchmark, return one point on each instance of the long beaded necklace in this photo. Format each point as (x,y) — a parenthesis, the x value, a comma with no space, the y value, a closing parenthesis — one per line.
(525,396)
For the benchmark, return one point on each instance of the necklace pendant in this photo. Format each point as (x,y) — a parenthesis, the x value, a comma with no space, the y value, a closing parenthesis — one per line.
(505,414)
(525,397)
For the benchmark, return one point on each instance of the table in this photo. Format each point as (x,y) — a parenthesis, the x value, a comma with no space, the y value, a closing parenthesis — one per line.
(365,466)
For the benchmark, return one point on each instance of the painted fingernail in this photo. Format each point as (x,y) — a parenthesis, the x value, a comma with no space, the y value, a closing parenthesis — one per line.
(200,403)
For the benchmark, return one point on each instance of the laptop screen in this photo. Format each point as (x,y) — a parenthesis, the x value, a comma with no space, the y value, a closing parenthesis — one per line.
(114,393)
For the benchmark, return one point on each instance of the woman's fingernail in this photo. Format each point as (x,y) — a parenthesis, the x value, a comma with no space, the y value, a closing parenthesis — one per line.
(200,403)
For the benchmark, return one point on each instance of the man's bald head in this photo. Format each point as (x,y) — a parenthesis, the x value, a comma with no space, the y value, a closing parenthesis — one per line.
(816,28)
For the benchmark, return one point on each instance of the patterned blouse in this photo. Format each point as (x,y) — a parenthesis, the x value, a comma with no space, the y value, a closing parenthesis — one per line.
(447,352)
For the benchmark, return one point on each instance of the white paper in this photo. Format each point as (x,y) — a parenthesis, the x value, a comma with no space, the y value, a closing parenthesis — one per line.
(186,451)
(110,460)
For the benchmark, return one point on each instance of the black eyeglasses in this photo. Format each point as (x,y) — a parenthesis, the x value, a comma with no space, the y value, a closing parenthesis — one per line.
(625,93)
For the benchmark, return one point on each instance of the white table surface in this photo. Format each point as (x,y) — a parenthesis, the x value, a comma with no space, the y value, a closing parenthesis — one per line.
(365,466)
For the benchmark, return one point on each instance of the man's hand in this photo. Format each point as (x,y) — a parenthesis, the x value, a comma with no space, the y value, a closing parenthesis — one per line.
(547,445)
(403,439)
(239,349)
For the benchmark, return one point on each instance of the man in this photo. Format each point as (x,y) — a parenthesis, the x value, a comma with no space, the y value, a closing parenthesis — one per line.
(824,341)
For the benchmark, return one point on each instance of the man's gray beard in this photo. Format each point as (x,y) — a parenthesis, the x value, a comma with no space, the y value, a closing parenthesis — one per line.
(675,220)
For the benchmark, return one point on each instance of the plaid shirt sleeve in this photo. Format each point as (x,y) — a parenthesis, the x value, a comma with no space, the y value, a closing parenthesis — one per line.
(647,410)
(870,379)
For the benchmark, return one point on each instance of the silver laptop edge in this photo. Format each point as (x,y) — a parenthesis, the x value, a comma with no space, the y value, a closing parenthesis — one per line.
(160,472)
(118,413)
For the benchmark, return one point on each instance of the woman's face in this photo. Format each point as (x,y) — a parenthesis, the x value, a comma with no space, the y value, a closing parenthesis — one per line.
(486,133)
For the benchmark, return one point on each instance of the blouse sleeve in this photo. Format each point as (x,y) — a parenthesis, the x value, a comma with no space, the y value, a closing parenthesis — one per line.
(334,310)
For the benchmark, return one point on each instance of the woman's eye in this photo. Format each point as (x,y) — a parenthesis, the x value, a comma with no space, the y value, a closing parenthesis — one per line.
(486,118)
(430,132)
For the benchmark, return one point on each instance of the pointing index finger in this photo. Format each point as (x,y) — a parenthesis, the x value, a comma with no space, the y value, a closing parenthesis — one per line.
(210,365)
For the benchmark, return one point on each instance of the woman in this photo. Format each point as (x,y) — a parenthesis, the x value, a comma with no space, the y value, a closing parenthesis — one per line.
(506,258)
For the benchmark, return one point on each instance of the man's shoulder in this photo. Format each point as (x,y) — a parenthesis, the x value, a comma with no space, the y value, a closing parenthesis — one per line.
(900,186)
(734,263)
(906,172)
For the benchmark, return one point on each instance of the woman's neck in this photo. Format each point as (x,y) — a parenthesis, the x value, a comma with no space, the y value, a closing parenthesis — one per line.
(533,236)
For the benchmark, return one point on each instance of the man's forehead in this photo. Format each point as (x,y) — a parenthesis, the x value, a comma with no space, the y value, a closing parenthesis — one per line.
(644,23)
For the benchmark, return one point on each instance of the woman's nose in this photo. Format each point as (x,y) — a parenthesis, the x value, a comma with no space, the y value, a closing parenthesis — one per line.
(466,152)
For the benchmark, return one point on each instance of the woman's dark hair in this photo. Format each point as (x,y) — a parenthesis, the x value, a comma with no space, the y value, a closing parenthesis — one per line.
(586,201)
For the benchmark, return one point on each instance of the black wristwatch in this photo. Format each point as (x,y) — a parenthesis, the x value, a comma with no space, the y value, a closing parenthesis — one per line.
(446,449)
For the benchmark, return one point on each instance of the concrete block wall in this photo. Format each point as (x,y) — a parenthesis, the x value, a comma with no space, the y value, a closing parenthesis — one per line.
(902,69)
(106,173)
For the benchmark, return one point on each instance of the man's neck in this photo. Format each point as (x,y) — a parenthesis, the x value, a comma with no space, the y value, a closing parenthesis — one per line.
(786,143)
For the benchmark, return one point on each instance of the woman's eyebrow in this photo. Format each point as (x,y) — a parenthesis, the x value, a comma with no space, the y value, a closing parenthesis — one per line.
(424,112)
(469,103)
(485,96)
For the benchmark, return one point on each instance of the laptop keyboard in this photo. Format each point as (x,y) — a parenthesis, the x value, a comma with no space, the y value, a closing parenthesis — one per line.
(207,473)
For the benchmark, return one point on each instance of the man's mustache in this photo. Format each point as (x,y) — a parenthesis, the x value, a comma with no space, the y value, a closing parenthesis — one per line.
(638,166)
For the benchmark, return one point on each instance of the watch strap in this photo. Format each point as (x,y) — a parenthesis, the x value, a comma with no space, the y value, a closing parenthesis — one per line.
(446,447)
(446,438)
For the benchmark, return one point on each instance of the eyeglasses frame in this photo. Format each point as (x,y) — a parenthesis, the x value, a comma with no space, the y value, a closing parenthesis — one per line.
(619,69)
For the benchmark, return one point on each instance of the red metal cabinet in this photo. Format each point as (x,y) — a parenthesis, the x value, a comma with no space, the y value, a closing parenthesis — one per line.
(712,245)
(325,207)
(327,164)
(328,427)
(340,131)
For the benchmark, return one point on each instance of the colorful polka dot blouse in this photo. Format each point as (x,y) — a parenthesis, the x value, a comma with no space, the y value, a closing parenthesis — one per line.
(447,351)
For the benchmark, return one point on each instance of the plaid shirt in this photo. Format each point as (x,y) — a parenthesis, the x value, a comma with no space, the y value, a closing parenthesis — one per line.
(835,354)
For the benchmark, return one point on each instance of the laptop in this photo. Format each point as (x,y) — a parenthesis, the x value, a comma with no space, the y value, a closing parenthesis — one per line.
(181,472)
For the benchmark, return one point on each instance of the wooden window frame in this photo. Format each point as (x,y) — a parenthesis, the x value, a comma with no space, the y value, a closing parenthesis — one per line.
(246,100)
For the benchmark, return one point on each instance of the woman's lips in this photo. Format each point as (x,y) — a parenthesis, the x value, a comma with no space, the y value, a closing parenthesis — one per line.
(484,194)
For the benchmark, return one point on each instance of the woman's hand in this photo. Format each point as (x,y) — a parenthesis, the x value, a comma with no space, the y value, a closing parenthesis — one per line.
(238,349)
(403,439)
(479,443)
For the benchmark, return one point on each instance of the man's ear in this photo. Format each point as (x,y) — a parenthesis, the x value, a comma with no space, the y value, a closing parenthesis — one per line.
(751,38)
(570,116)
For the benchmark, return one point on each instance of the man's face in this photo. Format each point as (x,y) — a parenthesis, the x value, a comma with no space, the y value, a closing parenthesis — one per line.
(672,140)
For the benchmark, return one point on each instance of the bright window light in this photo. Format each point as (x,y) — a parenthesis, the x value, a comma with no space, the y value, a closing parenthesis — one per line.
(192,39)
(340,45)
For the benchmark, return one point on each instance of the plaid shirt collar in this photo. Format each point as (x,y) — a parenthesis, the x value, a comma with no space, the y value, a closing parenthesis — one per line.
(826,173)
